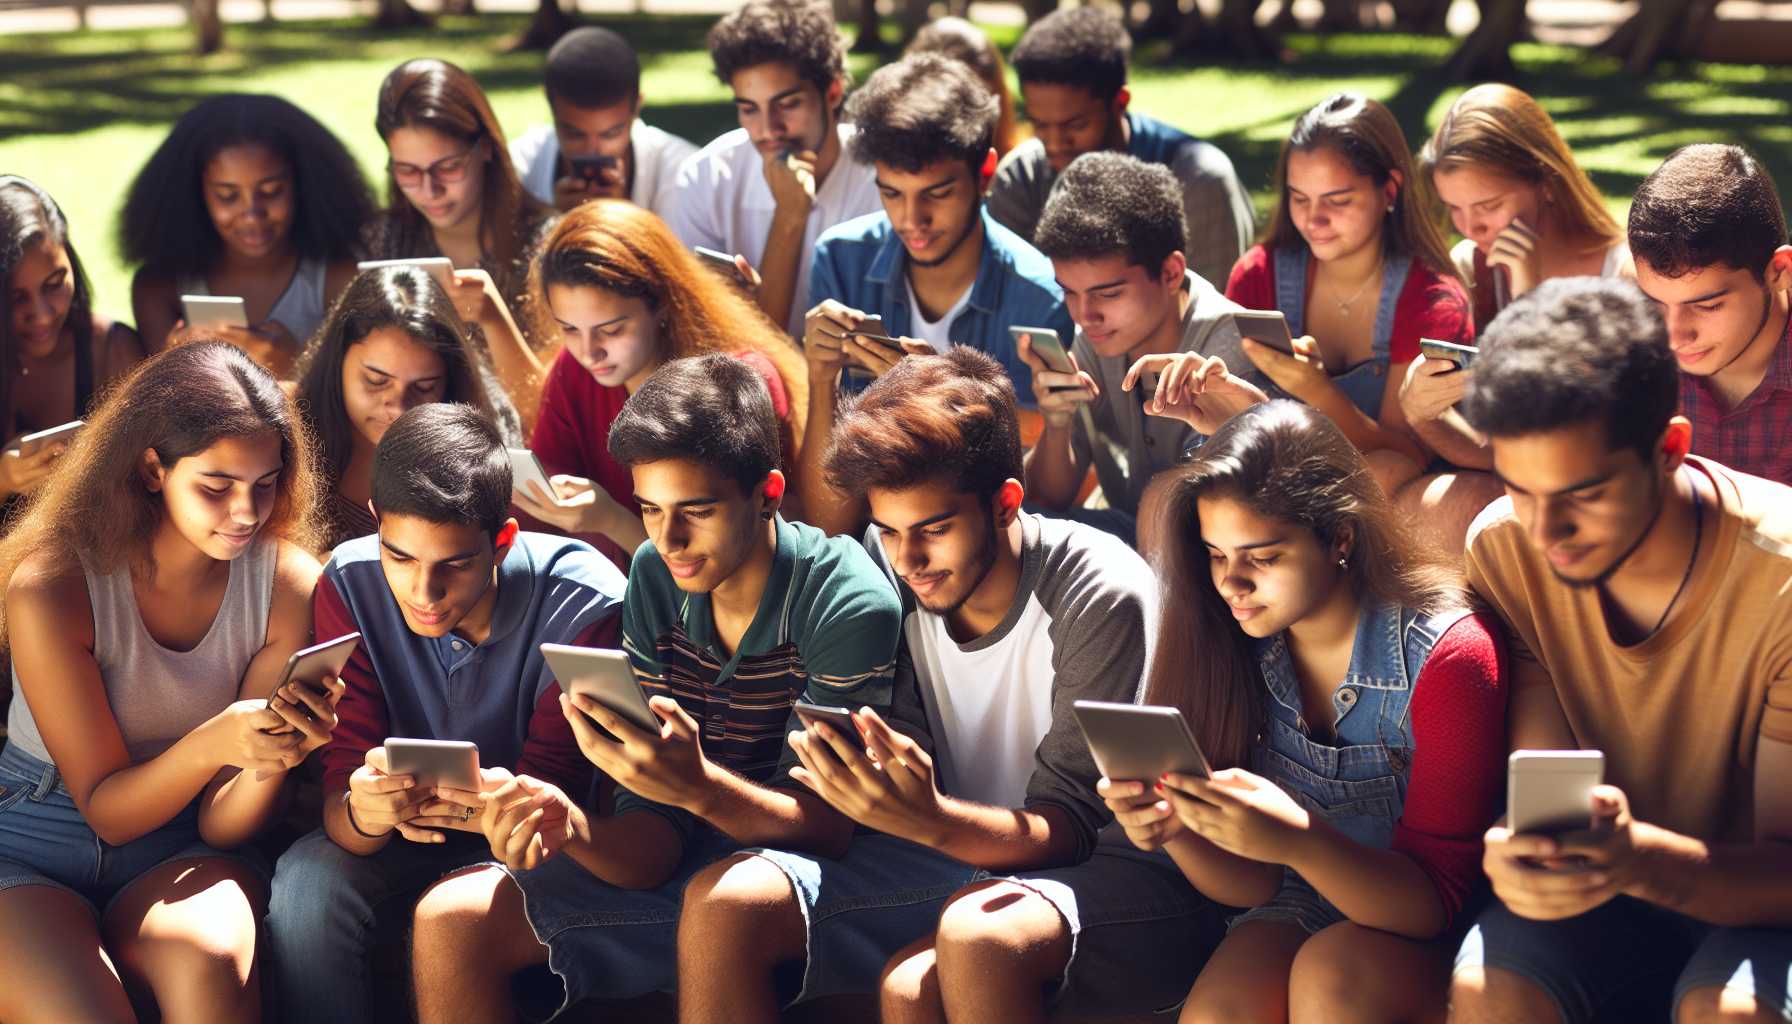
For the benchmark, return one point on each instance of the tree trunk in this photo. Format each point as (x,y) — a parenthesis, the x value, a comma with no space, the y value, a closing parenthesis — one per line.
(1486,54)
(546,28)
(914,18)
(1659,30)
(1235,33)
(208,26)
(1164,19)
(1341,16)
(399,14)
(869,38)
(1037,9)
(1421,15)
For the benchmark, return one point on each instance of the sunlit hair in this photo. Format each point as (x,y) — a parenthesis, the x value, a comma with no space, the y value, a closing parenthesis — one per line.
(965,42)
(95,505)
(1291,464)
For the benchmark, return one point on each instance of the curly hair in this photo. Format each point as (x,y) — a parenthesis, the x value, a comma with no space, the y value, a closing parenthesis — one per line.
(922,110)
(1704,206)
(1082,46)
(165,225)
(1107,203)
(795,32)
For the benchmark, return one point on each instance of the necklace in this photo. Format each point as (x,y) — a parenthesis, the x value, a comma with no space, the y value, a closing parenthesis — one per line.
(1698,539)
(1344,306)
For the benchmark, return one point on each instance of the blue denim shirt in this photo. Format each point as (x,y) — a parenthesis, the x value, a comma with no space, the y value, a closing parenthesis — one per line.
(862,264)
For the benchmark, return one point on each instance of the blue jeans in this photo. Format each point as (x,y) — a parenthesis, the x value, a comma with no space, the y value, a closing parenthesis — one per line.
(330,909)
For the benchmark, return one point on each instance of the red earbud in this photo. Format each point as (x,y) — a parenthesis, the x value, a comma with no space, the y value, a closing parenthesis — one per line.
(774,487)
(989,165)
(506,534)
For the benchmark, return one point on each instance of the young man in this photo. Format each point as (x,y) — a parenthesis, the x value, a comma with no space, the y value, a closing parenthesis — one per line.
(1009,618)
(933,264)
(1115,234)
(1709,239)
(1072,70)
(598,146)
(452,605)
(1647,595)
(768,189)
(732,614)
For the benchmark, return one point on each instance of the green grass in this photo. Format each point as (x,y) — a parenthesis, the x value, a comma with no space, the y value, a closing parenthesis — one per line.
(80,112)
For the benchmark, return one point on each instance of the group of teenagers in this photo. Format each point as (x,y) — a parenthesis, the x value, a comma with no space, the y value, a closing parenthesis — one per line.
(808,440)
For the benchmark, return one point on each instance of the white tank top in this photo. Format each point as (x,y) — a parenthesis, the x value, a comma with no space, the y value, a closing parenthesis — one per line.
(158,695)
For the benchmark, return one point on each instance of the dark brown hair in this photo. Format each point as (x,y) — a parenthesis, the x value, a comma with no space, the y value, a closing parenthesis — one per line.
(1288,463)
(28,218)
(1707,205)
(962,41)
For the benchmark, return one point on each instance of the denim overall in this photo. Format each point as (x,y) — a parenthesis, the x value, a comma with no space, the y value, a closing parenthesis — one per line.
(1366,382)
(1357,785)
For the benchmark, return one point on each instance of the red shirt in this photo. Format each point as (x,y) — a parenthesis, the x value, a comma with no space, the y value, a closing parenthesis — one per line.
(1750,438)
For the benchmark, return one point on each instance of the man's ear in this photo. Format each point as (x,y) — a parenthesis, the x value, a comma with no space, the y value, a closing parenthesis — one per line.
(1174,270)
(835,94)
(505,538)
(150,469)
(1008,501)
(1675,444)
(1779,270)
(771,494)
(1122,99)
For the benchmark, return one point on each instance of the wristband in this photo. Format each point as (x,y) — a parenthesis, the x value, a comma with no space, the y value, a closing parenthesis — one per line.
(348,808)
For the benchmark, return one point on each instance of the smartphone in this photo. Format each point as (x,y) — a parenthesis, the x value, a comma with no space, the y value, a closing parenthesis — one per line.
(451,763)
(1139,741)
(721,262)
(1551,791)
(605,676)
(214,310)
(1047,345)
(31,444)
(311,665)
(525,469)
(1449,351)
(439,267)
(589,167)
(1265,326)
(836,718)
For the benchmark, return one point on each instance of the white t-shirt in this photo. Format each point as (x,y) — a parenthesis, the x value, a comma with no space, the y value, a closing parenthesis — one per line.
(657,156)
(721,202)
(934,333)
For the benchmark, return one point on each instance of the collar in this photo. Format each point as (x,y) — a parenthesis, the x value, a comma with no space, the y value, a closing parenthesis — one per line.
(891,262)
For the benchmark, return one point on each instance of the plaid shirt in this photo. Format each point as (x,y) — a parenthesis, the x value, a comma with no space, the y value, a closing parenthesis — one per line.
(1753,437)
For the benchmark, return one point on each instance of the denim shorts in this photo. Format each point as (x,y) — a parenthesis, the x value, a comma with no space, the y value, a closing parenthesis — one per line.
(44,840)
(863,908)
(1296,903)
(1631,960)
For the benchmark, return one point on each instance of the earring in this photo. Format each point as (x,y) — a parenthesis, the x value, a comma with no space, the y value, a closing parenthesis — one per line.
(1390,207)
(1343,564)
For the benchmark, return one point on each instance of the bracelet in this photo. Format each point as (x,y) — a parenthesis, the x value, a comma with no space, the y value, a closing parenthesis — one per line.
(348,808)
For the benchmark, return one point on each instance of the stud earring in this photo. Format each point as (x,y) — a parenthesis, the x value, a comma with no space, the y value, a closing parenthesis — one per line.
(1343,563)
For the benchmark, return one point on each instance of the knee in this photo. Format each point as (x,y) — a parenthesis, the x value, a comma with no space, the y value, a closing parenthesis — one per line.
(1326,973)
(1715,1004)
(1216,1006)
(908,989)
(1491,995)
(311,879)
(450,921)
(1001,924)
(745,903)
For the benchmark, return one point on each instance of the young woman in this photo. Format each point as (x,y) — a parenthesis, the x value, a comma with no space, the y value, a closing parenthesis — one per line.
(393,341)
(965,42)
(58,352)
(452,191)
(158,582)
(1353,260)
(248,196)
(624,297)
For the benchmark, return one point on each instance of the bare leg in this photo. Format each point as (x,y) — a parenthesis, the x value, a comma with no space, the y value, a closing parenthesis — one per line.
(56,968)
(1000,946)
(1493,995)
(740,922)
(1350,973)
(1246,979)
(1715,1004)
(469,937)
(910,990)
(185,933)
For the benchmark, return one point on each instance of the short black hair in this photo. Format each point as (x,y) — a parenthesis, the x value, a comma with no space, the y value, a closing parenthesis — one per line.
(1083,46)
(795,32)
(1106,203)
(443,463)
(1576,350)
(592,67)
(713,410)
(1707,205)
(921,110)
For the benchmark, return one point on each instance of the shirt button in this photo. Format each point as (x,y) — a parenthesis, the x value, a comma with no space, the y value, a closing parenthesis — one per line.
(1347,697)
(456,644)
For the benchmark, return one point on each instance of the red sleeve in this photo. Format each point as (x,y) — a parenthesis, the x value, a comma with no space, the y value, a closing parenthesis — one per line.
(574,420)
(550,753)
(1432,307)
(1252,283)
(556,439)
(1459,746)
(361,714)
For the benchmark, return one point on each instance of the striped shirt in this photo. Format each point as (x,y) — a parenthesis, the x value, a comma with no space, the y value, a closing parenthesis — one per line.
(826,631)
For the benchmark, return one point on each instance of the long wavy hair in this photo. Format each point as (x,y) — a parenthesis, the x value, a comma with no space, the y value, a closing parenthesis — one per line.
(177,403)
(626,249)
(1291,464)
(29,218)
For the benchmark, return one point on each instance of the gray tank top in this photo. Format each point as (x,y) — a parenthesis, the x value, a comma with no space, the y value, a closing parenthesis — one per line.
(300,308)
(158,695)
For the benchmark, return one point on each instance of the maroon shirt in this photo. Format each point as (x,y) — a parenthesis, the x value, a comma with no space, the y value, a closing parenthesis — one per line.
(1751,438)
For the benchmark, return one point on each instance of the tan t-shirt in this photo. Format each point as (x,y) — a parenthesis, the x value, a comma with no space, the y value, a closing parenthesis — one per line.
(1678,715)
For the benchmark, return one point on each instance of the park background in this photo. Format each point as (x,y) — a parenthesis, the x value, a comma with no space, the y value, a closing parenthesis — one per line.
(82,108)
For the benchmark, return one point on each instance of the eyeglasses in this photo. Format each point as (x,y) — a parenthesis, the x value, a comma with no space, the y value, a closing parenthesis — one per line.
(446,171)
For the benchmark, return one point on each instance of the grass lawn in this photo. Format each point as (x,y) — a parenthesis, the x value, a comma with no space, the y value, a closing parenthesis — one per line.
(79,113)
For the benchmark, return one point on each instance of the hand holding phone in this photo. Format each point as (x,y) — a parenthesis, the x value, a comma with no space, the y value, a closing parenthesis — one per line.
(1139,741)
(451,764)
(1448,351)
(31,444)
(605,676)
(526,470)
(821,715)
(1264,326)
(1550,792)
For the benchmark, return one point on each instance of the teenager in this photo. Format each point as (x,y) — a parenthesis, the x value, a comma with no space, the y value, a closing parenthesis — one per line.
(1072,66)
(1709,240)
(593,81)
(966,43)
(1115,234)
(933,265)
(732,614)
(625,298)
(453,605)
(392,342)
(1008,619)
(59,353)
(1645,590)
(453,192)
(159,580)
(247,196)
(767,190)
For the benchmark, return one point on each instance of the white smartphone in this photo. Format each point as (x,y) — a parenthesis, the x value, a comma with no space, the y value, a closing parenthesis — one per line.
(215,310)
(1267,326)
(605,676)
(439,267)
(1047,344)
(1139,741)
(525,469)
(451,763)
(31,444)
(312,664)
(1551,791)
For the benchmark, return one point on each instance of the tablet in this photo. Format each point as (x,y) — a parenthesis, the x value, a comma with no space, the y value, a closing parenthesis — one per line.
(214,310)
(31,444)
(1139,741)
(451,763)
(439,267)
(605,676)
(525,469)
